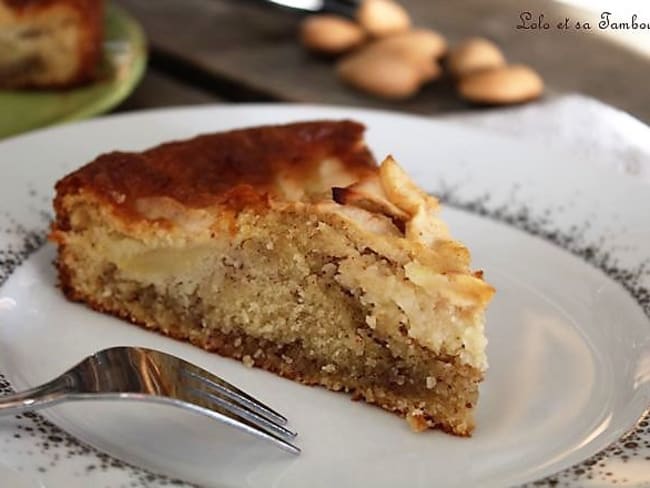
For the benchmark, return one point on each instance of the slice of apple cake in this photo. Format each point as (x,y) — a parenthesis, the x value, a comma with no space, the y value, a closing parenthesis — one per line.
(50,43)
(288,248)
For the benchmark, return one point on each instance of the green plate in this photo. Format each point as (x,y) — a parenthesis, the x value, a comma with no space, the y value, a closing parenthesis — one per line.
(125,57)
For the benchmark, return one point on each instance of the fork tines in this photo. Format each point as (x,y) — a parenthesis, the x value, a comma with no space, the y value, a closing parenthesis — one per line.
(218,395)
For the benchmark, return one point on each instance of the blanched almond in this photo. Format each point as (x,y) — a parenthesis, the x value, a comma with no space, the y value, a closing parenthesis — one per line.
(421,47)
(330,34)
(389,77)
(504,85)
(429,71)
(425,43)
(474,54)
(383,17)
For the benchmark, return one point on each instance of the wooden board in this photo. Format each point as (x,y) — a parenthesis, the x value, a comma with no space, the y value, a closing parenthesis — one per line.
(158,90)
(242,51)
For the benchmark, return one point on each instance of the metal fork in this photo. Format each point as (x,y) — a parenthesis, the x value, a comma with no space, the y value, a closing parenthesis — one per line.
(135,373)
(346,8)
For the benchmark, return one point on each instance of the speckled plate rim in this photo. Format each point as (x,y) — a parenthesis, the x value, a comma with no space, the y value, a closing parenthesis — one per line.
(637,437)
(128,63)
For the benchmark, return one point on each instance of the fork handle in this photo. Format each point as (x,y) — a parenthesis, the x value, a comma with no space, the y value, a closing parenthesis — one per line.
(345,8)
(45,395)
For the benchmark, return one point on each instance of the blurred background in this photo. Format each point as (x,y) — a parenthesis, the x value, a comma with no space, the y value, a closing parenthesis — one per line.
(163,53)
(234,50)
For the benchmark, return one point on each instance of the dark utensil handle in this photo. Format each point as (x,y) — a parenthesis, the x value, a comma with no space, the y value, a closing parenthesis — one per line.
(347,8)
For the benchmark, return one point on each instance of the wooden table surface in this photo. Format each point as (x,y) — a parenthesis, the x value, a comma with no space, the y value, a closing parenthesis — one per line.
(207,51)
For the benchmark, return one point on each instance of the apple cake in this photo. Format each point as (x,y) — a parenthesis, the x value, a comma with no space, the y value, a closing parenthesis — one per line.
(49,43)
(286,247)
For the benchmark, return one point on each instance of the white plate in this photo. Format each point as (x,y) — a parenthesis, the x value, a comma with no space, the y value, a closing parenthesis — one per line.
(569,337)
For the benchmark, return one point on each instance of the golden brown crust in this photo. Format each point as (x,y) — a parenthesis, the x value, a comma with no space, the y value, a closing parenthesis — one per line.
(233,169)
(90,15)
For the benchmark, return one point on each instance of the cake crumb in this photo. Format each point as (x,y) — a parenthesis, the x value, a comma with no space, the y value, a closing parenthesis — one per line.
(329,368)
(371,320)
(416,420)
(300,296)
(329,269)
(371,362)
(248,361)
(431,382)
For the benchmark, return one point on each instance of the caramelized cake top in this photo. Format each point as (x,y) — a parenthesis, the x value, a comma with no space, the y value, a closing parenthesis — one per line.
(235,168)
